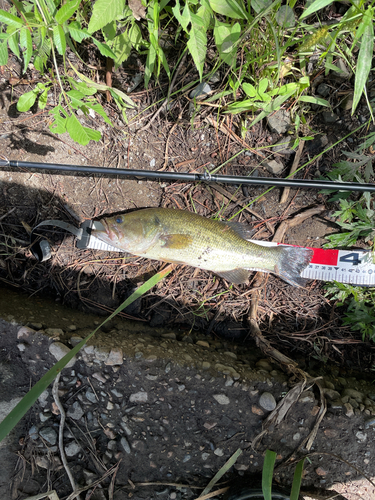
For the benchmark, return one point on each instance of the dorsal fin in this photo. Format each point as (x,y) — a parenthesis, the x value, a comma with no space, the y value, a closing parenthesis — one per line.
(243,230)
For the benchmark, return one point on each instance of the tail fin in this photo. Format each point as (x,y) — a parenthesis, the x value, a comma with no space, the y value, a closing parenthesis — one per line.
(293,260)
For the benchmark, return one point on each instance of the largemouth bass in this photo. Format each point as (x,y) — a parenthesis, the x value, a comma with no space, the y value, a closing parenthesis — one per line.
(186,238)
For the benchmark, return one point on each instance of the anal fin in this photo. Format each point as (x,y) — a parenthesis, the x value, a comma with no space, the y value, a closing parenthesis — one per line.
(236,276)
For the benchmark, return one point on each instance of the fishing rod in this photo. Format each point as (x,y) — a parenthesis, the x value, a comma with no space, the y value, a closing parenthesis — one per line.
(186,177)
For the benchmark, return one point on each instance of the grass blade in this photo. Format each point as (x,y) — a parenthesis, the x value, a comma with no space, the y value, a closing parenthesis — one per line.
(297,479)
(267,474)
(364,57)
(228,464)
(29,399)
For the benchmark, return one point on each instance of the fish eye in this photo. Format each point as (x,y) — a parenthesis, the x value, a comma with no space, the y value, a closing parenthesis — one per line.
(119,219)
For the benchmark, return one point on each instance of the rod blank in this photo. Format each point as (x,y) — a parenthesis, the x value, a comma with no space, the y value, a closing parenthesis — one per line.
(186,177)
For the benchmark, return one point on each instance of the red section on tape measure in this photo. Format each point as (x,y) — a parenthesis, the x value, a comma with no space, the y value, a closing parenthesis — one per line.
(326,257)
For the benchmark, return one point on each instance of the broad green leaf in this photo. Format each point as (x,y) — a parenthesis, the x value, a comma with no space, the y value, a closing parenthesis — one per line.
(104,12)
(205,13)
(26,42)
(364,57)
(183,18)
(9,19)
(197,45)
(267,474)
(249,89)
(314,100)
(79,133)
(260,5)
(3,53)
(42,102)
(76,32)
(13,41)
(285,17)
(109,31)
(58,126)
(263,85)
(297,479)
(99,109)
(102,87)
(231,8)
(51,7)
(103,49)
(66,11)
(82,87)
(121,48)
(315,6)
(226,38)
(59,39)
(135,36)
(26,101)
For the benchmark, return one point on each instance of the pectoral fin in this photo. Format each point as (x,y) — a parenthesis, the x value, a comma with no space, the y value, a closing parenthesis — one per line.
(176,241)
(236,276)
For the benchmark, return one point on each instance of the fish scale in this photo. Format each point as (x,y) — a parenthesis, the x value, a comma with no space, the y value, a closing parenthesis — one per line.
(187,238)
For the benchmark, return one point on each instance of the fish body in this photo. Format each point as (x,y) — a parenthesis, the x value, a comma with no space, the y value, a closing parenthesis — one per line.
(183,237)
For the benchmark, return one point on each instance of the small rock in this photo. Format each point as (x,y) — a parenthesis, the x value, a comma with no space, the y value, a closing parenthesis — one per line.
(353,393)
(361,436)
(43,398)
(59,350)
(349,410)
(98,376)
(307,397)
(202,89)
(279,122)
(329,117)
(112,445)
(71,328)
(101,353)
(170,335)
(138,397)
(331,433)
(331,394)
(256,410)
(206,365)
(230,354)
(203,343)
(267,401)
(323,90)
(205,456)
(25,333)
(320,471)
(33,432)
(219,452)
(229,382)
(274,167)
(115,358)
(90,395)
(264,365)
(210,424)
(75,339)
(284,146)
(43,417)
(296,436)
(54,332)
(75,411)
(116,393)
(125,445)
(222,399)
(49,435)
(72,449)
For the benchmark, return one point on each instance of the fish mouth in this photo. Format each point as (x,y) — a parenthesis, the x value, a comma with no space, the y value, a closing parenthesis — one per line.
(106,234)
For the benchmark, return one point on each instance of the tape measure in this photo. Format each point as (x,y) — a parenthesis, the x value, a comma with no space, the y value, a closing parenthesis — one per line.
(356,267)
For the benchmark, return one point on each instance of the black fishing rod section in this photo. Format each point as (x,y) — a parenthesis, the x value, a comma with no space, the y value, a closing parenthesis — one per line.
(186,177)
